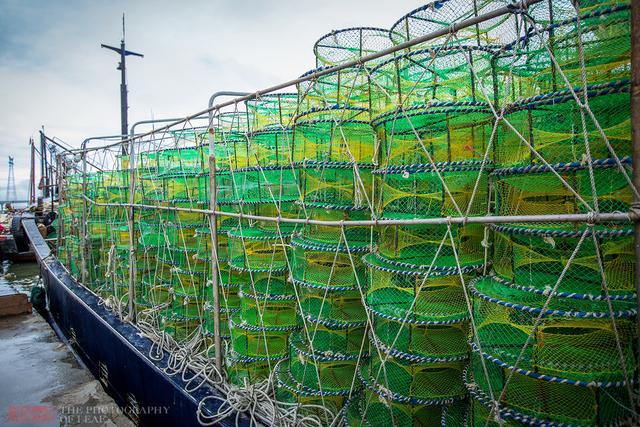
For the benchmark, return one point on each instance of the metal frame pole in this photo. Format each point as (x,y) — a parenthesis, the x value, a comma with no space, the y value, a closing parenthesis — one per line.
(84,226)
(132,131)
(132,234)
(213,228)
(635,140)
(59,177)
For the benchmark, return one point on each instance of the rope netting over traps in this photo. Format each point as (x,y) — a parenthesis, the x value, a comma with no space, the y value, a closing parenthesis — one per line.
(398,324)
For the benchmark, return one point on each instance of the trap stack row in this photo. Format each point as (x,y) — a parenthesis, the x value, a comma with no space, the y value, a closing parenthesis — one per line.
(334,150)
(265,184)
(176,178)
(554,318)
(434,129)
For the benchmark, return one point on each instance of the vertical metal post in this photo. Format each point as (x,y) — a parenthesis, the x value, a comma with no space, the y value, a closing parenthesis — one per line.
(84,226)
(213,227)
(635,140)
(59,177)
(132,234)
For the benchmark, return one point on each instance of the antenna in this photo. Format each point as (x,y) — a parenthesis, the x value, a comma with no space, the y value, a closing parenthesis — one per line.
(122,67)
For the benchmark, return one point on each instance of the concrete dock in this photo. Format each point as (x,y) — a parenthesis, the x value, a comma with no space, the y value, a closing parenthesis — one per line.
(41,382)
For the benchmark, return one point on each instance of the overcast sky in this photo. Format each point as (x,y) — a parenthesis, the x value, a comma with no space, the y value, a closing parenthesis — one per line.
(53,72)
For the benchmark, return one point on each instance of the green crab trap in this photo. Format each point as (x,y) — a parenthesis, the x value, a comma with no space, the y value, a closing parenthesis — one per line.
(561,188)
(334,134)
(552,126)
(434,133)
(590,47)
(430,76)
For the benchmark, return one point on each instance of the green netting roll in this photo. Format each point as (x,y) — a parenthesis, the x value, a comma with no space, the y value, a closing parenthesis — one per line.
(252,249)
(334,134)
(535,190)
(253,341)
(552,125)
(446,131)
(533,256)
(268,301)
(575,330)
(603,32)
(541,401)
(372,409)
(321,372)
(432,75)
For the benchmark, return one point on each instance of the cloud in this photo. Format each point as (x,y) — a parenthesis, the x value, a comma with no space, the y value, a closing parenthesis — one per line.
(53,72)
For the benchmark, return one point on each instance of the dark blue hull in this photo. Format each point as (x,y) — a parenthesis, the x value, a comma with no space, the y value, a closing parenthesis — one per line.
(114,351)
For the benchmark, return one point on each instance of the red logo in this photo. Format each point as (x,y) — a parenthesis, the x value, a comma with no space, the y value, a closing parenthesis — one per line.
(22,414)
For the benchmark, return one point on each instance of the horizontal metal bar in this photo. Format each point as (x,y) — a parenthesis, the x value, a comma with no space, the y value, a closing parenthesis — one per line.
(523,4)
(591,218)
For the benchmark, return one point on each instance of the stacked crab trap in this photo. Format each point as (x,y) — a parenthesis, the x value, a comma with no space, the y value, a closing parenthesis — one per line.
(390,241)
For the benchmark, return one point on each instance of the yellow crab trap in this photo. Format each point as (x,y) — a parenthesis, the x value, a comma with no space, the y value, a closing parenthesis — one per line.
(267,301)
(532,258)
(440,76)
(337,133)
(373,407)
(591,49)
(349,87)
(323,406)
(534,334)
(554,128)
(537,189)
(252,249)
(274,110)
(436,132)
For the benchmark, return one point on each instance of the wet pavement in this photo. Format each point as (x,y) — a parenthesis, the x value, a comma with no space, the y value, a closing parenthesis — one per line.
(41,383)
